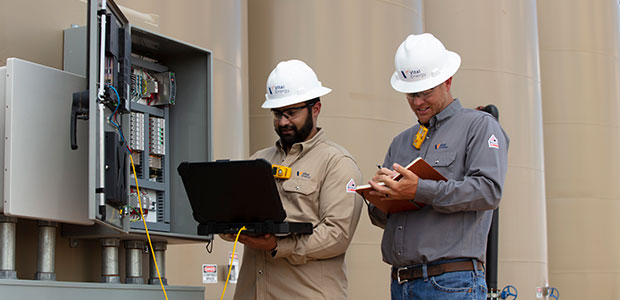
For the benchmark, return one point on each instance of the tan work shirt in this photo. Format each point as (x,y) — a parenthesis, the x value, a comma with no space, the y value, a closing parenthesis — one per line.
(307,266)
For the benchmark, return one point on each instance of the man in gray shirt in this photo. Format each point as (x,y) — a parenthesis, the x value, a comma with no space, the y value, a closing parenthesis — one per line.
(438,251)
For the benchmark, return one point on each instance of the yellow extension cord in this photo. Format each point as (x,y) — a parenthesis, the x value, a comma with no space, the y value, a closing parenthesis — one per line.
(231,260)
(145,228)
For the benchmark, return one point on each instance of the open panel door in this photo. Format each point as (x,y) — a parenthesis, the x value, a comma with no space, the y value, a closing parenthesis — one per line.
(148,101)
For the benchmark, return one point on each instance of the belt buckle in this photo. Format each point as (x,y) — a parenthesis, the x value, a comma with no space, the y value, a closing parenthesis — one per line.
(398,275)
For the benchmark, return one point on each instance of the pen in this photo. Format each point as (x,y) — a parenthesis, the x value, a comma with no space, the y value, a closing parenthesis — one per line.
(379,166)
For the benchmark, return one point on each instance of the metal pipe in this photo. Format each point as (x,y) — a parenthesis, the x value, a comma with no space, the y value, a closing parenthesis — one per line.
(159,249)
(491,267)
(109,261)
(492,240)
(46,252)
(8,227)
(133,262)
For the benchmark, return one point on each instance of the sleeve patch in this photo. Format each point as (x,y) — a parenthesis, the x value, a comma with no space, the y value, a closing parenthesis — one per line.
(351,186)
(493,142)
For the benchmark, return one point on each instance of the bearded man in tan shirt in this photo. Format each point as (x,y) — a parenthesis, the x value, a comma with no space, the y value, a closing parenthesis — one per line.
(321,191)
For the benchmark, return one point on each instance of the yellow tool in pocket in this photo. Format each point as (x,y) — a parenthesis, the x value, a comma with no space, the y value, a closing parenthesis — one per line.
(281,172)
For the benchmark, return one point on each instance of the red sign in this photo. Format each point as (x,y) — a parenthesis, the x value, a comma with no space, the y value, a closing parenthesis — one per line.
(209,269)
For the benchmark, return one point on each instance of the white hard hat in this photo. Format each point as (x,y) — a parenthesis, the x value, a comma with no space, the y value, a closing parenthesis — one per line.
(292,82)
(422,63)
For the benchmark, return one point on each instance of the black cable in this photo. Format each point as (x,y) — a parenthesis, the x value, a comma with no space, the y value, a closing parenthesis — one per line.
(209,249)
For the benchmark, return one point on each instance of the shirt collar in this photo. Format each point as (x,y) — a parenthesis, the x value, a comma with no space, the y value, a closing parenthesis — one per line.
(446,113)
(305,146)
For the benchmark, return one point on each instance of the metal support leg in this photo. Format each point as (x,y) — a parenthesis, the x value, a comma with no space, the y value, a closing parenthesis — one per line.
(160,254)
(133,262)
(492,254)
(109,261)
(7,247)
(46,253)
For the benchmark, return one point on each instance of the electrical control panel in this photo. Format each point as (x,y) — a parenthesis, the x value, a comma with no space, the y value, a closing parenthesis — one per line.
(148,108)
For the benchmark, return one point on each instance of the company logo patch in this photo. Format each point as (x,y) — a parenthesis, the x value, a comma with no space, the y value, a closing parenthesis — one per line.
(303,175)
(412,75)
(351,186)
(441,146)
(493,142)
(277,89)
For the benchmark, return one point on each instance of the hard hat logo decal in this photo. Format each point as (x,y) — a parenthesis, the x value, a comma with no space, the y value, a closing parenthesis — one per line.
(413,75)
(277,89)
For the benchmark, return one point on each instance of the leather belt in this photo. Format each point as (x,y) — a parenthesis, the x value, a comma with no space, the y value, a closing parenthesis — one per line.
(411,273)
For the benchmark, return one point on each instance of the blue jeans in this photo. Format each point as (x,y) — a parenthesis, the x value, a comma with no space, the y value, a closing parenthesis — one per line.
(465,285)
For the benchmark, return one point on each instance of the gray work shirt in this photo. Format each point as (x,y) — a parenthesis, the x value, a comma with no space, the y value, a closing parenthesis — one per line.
(470,149)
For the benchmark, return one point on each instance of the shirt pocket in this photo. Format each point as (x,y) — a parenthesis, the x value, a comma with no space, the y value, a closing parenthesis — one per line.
(301,199)
(443,162)
(298,186)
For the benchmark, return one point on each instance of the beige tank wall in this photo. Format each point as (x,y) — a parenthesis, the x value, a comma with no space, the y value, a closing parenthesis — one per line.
(350,44)
(498,44)
(32,30)
(580,78)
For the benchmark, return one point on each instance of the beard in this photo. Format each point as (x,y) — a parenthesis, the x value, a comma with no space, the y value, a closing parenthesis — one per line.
(299,134)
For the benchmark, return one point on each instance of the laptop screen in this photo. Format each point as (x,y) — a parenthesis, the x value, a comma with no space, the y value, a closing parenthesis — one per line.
(232,191)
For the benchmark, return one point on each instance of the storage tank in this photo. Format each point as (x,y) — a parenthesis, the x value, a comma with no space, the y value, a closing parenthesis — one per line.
(581,95)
